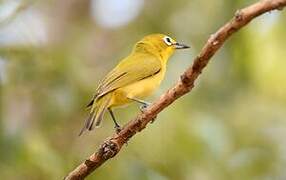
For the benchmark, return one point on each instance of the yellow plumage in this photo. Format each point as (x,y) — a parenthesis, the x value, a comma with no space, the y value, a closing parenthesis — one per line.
(134,78)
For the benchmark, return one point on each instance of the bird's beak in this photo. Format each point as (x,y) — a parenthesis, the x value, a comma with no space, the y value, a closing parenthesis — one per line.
(181,46)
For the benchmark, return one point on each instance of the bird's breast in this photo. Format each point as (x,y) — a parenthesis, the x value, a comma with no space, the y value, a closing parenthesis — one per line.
(144,87)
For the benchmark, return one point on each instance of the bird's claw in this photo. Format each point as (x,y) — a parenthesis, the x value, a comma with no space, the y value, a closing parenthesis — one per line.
(117,129)
(144,107)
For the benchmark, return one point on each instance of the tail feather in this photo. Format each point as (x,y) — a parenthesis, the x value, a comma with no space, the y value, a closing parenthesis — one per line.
(87,123)
(96,115)
(99,114)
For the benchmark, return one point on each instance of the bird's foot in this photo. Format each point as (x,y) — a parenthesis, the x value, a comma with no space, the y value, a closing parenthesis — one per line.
(117,129)
(144,106)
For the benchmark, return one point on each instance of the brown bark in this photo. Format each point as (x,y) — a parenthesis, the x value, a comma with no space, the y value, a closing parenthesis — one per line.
(114,143)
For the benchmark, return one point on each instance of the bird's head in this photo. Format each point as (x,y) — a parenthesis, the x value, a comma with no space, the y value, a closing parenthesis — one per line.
(159,44)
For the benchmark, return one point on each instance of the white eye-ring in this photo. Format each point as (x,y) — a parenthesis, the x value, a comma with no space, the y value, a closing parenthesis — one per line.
(168,40)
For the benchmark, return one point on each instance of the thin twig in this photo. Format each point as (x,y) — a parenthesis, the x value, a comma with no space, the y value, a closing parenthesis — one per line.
(113,144)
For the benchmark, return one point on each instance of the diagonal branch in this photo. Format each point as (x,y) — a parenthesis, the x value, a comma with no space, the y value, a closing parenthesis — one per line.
(113,144)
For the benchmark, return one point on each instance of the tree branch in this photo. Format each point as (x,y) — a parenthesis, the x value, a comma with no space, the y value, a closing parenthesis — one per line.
(114,143)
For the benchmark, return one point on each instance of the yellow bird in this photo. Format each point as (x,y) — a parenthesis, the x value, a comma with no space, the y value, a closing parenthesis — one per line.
(134,78)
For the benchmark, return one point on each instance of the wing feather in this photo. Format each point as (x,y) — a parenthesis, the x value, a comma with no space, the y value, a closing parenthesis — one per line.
(133,68)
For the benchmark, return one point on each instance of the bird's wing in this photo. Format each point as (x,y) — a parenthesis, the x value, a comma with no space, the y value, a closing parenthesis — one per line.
(133,68)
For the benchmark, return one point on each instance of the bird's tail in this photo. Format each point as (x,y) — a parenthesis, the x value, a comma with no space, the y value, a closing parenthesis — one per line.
(97,111)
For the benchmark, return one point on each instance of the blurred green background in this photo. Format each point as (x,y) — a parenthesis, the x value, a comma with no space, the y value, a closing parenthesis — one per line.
(54,52)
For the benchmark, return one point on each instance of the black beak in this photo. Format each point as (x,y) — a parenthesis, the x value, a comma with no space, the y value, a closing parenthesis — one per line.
(181,46)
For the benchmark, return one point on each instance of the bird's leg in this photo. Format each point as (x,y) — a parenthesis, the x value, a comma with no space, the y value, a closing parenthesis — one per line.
(117,126)
(144,103)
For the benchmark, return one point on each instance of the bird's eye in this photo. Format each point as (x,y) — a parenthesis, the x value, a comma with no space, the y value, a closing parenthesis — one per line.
(167,40)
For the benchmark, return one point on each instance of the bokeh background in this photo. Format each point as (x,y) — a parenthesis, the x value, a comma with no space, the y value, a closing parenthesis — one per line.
(54,52)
